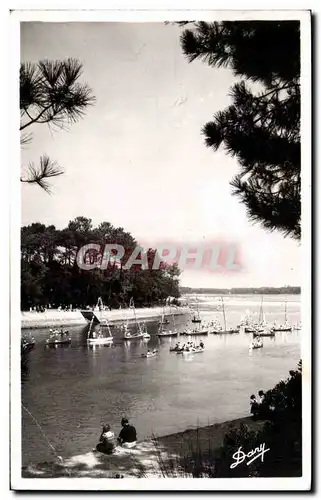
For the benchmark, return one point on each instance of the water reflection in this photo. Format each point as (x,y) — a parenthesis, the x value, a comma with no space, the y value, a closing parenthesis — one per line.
(88,384)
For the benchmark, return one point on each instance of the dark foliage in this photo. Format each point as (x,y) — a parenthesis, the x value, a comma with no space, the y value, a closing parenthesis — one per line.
(50,274)
(261,128)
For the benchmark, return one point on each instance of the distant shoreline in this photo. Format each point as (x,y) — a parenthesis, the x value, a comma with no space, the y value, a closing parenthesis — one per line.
(247,291)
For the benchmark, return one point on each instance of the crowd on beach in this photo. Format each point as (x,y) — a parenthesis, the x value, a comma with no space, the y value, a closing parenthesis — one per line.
(127,438)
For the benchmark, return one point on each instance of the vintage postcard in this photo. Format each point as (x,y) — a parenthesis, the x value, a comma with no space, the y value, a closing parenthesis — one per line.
(160,270)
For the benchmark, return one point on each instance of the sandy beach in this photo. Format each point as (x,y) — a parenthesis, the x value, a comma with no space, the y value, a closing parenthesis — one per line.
(53,317)
(143,460)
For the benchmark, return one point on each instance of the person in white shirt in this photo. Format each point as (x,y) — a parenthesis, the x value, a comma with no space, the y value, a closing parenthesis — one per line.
(107,441)
(261,397)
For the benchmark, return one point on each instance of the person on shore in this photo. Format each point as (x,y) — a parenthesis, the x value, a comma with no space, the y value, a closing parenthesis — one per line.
(128,435)
(254,407)
(264,409)
(107,442)
(261,397)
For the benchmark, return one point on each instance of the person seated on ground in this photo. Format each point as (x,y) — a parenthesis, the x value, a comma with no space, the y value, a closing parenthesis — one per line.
(107,442)
(254,407)
(127,436)
(202,344)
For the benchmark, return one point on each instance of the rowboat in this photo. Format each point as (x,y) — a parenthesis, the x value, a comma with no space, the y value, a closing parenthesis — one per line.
(256,344)
(58,341)
(270,333)
(150,354)
(192,350)
(169,333)
(133,336)
(175,349)
(195,332)
(27,345)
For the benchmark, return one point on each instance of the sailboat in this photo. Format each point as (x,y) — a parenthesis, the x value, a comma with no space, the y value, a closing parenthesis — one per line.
(286,327)
(261,329)
(140,333)
(101,338)
(163,320)
(217,329)
(168,333)
(196,318)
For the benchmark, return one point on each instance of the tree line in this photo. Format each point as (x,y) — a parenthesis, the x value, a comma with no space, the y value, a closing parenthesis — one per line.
(291,290)
(50,273)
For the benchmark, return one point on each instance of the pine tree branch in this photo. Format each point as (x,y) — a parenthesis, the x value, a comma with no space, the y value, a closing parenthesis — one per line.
(35,120)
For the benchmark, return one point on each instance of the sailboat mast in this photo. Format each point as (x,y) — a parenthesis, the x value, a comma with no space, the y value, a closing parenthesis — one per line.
(173,315)
(90,325)
(285,313)
(223,310)
(261,311)
(134,310)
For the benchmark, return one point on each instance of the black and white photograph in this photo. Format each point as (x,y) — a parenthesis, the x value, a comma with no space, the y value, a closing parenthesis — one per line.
(160,304)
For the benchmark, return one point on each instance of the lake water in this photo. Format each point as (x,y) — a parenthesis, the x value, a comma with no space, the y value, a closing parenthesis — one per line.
(72,390)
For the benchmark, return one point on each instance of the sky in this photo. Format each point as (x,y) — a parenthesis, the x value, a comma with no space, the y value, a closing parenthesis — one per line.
(138,160)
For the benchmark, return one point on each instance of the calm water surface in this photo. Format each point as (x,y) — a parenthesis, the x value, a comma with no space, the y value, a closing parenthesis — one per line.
(72,390)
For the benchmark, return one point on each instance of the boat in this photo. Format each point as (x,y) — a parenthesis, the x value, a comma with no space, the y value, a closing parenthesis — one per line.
(101,338)
(167,333)
(217,329)
(176,349)
(58,332)
(27,344)
(267,333)
(196,318)
(193,331)
(58,341)
(214,327)
(231,330)
(297,326)
(191,350)
(286,327)
(163,320)
(143,330)
(58,337)
(133,336)
(150,354)
(256,344)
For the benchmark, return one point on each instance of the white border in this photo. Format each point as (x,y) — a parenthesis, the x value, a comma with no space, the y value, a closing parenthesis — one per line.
(267,484)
